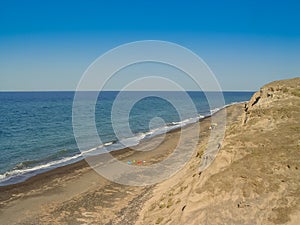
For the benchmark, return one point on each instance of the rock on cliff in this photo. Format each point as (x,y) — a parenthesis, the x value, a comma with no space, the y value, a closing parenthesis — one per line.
(271,95)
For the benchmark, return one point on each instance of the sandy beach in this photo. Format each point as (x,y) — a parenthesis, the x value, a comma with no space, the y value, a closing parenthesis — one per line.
(254,179)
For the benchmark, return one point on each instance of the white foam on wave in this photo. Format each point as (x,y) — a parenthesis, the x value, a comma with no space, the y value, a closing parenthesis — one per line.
(36,168)
(213,111)
(50,165)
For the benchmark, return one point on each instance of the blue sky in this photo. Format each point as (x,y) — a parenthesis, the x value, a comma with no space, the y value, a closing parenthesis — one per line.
(47,45)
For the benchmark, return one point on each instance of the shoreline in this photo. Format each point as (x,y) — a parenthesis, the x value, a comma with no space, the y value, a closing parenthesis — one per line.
(78,163)
(121,154)
(81,164)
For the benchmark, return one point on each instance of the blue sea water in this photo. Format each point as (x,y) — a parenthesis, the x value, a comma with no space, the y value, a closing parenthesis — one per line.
(36,132)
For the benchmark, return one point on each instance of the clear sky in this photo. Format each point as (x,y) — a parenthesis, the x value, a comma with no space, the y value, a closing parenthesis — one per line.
(47,45)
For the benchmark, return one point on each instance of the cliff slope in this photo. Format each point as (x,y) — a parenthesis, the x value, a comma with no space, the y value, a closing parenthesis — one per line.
(255,178)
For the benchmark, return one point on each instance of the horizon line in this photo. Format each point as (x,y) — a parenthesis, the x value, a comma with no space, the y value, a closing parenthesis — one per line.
(126,90)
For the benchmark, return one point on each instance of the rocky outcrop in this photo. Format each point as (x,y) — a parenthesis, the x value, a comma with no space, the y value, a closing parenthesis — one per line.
(270,94)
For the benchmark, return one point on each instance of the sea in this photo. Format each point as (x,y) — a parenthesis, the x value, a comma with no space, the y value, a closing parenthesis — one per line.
(37,135)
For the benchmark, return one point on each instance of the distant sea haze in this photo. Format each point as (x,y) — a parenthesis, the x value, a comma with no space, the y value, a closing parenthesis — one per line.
(36,132)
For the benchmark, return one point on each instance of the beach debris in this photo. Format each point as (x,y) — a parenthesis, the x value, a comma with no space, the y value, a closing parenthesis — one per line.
(213,126)
(183,208)
(136,162)
(243,205)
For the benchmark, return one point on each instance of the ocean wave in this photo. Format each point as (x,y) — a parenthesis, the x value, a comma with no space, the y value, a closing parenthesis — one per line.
(4,178)
(25,164)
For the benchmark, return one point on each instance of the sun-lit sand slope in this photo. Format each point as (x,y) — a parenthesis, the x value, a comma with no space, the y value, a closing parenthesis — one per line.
(255,178)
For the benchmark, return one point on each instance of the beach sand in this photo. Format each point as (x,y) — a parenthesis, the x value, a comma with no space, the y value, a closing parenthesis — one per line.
(255,178)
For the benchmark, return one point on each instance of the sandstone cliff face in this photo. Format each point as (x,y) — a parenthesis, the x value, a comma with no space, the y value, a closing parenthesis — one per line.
(271,95)
(255,178)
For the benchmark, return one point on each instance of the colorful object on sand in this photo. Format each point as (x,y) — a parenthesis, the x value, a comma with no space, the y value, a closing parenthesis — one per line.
(135,162)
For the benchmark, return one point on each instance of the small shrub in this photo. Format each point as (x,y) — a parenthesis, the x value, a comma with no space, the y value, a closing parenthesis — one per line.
(162,205)
(169,203)
(296,93)
(159,220)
